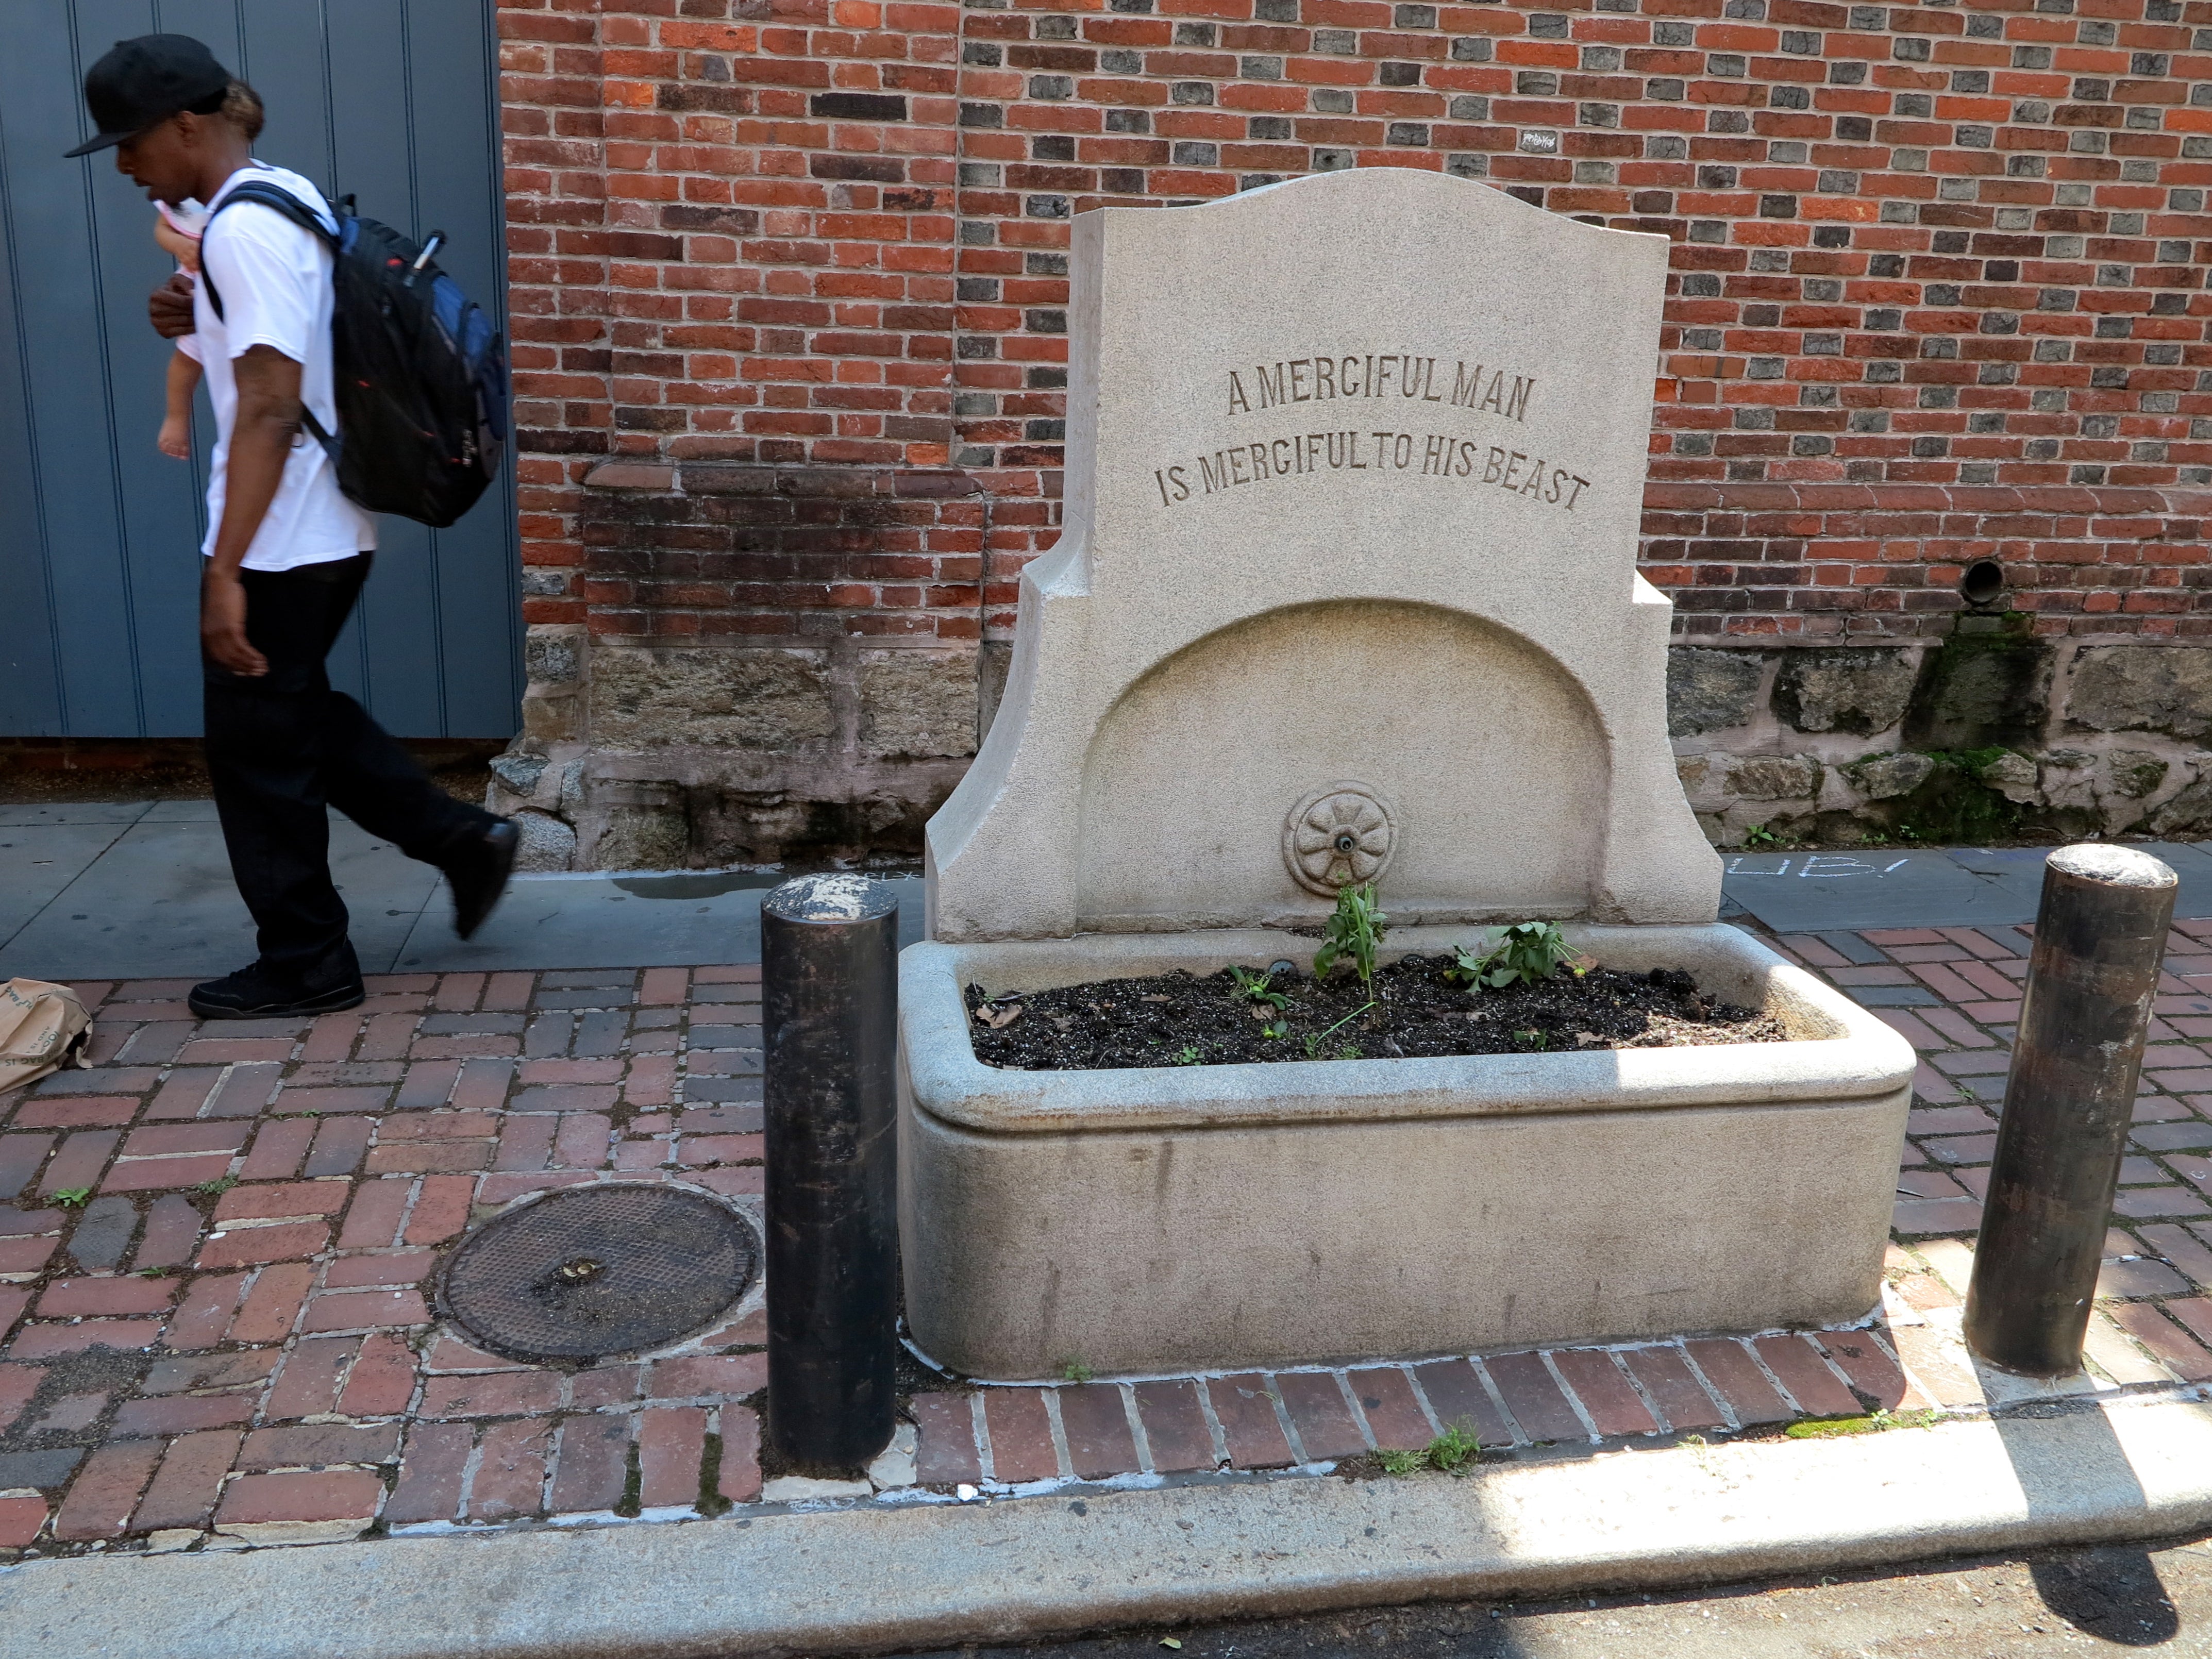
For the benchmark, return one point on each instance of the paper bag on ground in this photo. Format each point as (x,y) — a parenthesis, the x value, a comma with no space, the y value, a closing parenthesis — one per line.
(43,1027)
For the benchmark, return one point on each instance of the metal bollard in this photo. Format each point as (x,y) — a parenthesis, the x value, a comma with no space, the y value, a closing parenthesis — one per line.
(829,1007)
(2099,934)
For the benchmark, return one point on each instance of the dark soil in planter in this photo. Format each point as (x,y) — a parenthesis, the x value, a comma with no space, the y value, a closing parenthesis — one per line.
(1178,1019)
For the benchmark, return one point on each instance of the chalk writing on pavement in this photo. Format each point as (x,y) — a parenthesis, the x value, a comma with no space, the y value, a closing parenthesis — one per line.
(1816,866)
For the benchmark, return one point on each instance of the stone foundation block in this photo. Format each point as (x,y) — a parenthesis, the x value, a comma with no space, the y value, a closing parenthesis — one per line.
(646,698)
(917,702)
(1857,691)
(1710,690)
(2142,688)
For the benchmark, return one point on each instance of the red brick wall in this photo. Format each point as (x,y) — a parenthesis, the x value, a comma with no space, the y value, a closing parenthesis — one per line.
(789,286)
(1922,249)
(731,236)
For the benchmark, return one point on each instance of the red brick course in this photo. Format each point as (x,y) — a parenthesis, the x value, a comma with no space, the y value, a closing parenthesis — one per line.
(302,1495)
(1935,288)
(1021,1436)
(240,1375)
(183,1493)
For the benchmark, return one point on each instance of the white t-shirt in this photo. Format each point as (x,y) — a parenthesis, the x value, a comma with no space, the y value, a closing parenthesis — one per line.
(275,280)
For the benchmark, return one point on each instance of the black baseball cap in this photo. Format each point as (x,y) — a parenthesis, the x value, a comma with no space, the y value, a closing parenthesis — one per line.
(141,83)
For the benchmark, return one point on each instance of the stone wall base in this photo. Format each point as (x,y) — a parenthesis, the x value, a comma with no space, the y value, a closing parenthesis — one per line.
(1988,733)
(701,756)
(656,757)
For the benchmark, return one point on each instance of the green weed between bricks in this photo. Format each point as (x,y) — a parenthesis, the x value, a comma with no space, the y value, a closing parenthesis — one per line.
(1450,1453)
(1831,1428)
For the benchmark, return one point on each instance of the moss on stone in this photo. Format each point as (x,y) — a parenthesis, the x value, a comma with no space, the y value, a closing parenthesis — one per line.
(1988,684)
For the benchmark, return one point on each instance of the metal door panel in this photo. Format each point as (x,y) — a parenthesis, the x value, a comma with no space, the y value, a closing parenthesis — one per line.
(391,100)
(375,158)
(54,265)
(30,675)
(159,502)
(479,620)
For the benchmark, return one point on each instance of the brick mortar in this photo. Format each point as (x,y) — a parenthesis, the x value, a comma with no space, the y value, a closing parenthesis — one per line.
(1935,292)
(319,1358)
(841,242)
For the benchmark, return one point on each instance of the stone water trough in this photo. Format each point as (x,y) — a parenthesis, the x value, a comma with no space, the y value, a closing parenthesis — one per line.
(1346,591)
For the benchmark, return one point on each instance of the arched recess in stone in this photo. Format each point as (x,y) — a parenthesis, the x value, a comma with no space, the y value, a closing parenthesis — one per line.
(1490,757)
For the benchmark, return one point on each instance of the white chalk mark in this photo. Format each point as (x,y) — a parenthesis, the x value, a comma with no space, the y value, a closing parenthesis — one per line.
(1827,865)
(1735,868)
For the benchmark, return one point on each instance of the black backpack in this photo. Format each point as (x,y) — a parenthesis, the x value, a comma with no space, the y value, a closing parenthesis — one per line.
(419,376)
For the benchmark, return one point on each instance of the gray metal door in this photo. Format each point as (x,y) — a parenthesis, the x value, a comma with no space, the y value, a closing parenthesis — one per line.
(394,101)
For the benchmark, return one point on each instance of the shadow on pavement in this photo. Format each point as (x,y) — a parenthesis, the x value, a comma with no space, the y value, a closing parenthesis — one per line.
(2112,1593)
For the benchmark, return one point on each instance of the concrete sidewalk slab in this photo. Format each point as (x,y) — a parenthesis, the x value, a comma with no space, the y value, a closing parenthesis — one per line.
(2192,862)
(1802,891)
(1798,893)
(147,894)
(874,1576)
(142,891)
(158,903)
(20,814)
(648,919)
(2018,872)
(39,861)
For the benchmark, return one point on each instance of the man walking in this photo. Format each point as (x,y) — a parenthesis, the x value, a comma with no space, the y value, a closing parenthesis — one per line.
(285,556)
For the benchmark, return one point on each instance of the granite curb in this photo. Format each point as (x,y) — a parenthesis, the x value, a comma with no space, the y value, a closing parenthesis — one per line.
(877,1577)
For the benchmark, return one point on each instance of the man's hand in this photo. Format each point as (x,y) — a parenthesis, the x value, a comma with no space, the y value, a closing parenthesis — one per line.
(223,624)
(169,308)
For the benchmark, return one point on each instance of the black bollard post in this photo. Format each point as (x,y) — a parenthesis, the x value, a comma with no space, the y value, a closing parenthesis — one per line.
(829,1007)
(2099,938)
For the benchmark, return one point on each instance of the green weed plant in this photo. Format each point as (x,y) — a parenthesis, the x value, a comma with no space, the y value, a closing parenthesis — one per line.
(1527,953)
(1355,929)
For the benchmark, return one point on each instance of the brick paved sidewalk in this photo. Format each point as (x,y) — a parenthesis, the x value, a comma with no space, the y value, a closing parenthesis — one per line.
(226,1339)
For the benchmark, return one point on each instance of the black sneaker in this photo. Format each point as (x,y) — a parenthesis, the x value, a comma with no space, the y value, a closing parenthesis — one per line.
(256,993)
(477,868)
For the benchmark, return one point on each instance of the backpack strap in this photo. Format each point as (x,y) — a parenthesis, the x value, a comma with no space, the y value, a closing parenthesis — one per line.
(268,196)
(285,202)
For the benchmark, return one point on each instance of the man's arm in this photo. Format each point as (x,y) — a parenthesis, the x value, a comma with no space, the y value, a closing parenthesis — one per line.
(261,436)
(169,308)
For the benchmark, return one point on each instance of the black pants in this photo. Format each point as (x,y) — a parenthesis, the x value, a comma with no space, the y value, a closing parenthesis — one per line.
(281,747)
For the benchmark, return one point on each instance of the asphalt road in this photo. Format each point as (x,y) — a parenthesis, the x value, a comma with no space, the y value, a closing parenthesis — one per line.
(2109,1601)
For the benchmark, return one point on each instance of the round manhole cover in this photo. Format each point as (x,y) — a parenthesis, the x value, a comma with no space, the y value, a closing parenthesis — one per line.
(599,1270)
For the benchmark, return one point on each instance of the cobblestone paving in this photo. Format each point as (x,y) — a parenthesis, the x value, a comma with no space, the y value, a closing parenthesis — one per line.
(217,1247)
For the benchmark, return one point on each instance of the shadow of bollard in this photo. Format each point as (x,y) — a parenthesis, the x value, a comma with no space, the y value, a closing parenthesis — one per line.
(2113,1593)
(2116,1594)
